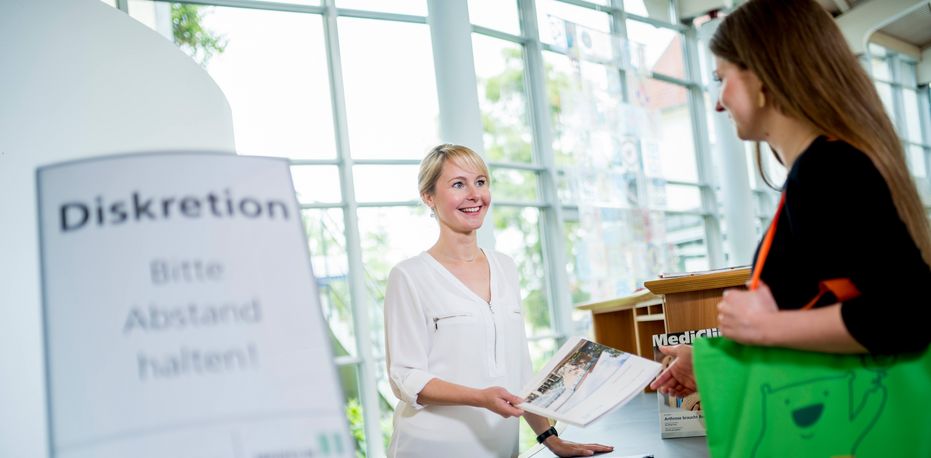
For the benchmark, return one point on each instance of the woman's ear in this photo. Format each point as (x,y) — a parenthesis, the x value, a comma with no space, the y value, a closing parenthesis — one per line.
(427,199)
(762,93)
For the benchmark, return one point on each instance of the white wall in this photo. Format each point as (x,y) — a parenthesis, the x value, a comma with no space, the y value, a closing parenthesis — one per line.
(77,78)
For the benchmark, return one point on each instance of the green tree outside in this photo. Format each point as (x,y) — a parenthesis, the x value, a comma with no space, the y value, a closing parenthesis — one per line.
(189,34)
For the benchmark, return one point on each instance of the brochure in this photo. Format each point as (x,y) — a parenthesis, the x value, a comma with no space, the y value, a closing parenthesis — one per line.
(584,380)
(679,417)
(665,275)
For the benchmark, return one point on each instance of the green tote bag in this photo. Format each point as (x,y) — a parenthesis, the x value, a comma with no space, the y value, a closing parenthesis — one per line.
(775,402)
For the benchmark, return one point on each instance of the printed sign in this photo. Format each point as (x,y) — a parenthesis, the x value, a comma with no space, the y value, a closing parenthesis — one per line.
(181,313)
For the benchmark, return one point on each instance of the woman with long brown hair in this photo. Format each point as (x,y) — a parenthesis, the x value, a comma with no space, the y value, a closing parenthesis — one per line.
(850,244)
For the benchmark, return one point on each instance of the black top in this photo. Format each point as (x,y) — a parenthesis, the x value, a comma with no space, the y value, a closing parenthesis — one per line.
(839,222)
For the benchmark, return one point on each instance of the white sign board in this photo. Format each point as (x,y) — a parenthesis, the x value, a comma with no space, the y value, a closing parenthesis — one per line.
(181,314)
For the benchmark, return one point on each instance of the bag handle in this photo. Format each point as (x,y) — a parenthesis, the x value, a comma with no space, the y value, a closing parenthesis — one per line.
(842,288)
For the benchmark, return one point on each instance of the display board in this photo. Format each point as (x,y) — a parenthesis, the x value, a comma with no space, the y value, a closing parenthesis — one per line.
(181,314)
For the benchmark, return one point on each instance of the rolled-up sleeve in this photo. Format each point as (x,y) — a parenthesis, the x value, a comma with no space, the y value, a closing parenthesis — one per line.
(407,337)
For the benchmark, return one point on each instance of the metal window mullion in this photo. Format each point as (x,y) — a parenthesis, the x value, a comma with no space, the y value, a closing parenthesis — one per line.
(699,184)
(657,23)
(298,162)
(323,206)
(405,203)
(696,100)
(565,52)
(386,162)
(494,165)
(674,11)
(359,297)
(556,280)
(589,5)
(898,101)
(123,5)
(924,111)
(255,5)
(619,28)
(539,337)
(347,361)
(701,213)
(522,204)
(498,34)
(617,8)
(908,142)
(690,83)
(379,16)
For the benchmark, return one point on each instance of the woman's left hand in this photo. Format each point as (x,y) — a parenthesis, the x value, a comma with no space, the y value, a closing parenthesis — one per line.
(745,316)
(567,448)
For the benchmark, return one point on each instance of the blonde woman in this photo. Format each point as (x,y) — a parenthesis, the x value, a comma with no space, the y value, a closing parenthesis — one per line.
(457,349)
(852,236)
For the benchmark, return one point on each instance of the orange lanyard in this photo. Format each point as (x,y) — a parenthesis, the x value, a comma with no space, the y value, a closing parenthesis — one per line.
(842,288)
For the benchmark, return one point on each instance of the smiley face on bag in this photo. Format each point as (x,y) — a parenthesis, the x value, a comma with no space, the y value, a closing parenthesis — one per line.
(812,416)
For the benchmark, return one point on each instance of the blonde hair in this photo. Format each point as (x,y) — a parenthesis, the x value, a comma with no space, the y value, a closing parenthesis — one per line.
(823,85)
(432,166)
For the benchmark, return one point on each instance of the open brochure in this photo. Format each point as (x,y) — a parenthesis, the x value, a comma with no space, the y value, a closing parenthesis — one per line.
(584,380)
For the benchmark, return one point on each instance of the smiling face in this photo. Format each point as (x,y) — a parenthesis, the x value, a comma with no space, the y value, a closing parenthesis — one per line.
(460,198)
(740,97)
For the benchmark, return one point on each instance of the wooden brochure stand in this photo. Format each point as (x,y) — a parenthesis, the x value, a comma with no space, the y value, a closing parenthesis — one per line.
(691,300)
(674,304)
(628,323)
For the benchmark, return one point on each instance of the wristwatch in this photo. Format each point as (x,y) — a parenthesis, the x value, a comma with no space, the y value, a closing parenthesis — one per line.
(549,432)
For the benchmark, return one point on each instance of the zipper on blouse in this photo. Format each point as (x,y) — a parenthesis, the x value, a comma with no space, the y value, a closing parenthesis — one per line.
(494,326)
(437,319)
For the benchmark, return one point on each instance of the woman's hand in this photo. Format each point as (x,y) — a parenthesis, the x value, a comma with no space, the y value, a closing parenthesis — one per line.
(566,448)
(500,401)
(678,379)
(744,316)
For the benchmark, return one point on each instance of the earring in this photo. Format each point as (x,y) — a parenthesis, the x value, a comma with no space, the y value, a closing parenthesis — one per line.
(432,212)
(761,100)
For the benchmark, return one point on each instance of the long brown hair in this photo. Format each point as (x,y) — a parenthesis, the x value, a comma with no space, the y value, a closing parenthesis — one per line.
(798,52)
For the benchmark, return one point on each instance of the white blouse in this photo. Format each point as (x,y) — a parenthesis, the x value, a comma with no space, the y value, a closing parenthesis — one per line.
(436,327)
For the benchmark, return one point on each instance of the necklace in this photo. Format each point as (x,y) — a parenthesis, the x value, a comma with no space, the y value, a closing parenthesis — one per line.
(472,259)
(453,258)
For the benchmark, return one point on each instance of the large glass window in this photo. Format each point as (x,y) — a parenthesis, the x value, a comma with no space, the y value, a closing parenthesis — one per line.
(495,14)
(623,138)
(557,22)
(388,236)
(326,242)
(656,49)
(316,184)
(895,76)
(391,101)
(673,129)
(352,101)
(660,10)
(385,183)
(517,234)
(499,69)
(414,7)
(271,66)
